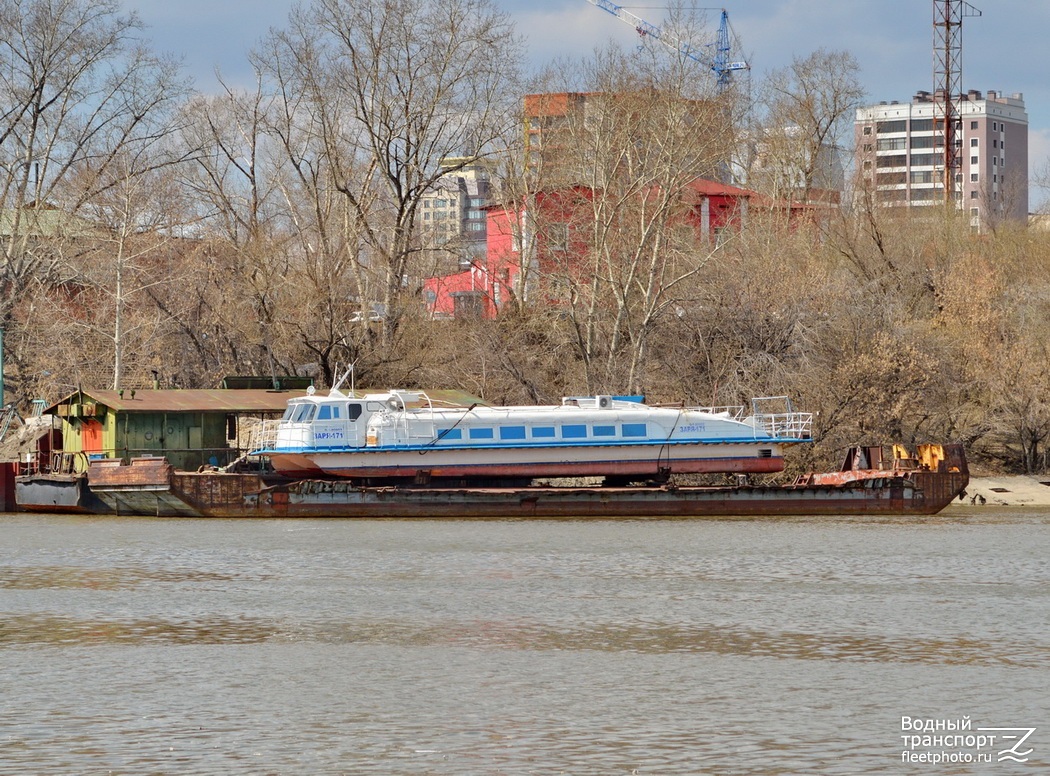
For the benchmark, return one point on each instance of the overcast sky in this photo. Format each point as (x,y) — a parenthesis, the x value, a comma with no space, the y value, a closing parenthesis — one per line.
(1003,49)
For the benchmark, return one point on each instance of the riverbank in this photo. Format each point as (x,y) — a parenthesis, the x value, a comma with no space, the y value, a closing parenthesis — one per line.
(1014,490)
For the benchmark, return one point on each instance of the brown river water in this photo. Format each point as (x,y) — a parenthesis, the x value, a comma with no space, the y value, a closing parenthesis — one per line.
(780,646)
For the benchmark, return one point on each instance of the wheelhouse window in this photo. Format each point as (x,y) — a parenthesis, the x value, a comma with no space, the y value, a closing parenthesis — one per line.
(304,413)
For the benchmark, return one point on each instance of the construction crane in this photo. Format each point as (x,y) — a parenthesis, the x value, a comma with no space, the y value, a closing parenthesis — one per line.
(947,78)
(721,64)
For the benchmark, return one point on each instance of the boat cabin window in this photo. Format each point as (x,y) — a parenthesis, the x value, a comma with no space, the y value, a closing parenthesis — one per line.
(450,433)
(604,431)
(543,432)
(574,431)
(512,432)
(335,411)
(304,413)
(481,433)
(633,430)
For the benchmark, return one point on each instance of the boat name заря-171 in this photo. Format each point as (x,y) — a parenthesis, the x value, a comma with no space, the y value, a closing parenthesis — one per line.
(400,435)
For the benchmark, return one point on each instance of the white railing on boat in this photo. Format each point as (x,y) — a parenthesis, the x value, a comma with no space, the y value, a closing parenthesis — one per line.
(785,425)
(777,418)
(263,436)
(412,427)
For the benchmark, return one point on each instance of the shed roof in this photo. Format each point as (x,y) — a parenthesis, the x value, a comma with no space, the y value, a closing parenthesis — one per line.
(217,400)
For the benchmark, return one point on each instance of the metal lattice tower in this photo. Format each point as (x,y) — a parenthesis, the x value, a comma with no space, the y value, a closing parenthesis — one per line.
(947,82)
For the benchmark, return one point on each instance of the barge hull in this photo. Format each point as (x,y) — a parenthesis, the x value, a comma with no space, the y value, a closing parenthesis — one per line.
(55,494)
(244,495)
(153,487)
(318,499)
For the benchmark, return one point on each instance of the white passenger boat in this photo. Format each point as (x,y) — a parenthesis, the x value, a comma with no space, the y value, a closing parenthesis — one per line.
(399,435)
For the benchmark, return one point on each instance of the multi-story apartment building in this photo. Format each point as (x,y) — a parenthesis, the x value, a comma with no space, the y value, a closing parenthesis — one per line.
(564,132)
(783,164)
(900,155)
(452,213)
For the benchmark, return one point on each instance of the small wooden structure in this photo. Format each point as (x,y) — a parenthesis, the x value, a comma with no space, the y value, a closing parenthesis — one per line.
(190,428)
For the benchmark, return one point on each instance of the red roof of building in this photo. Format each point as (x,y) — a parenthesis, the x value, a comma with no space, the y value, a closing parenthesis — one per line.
(715,189)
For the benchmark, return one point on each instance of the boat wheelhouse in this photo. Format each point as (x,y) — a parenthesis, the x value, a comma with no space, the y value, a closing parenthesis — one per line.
(404,435)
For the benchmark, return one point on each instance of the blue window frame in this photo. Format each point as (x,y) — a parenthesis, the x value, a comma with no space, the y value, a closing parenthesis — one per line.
(512,432)
(328,412)
(450,433)
(574,431)
(604,431)
(481,433)
(633,430)
(543,432)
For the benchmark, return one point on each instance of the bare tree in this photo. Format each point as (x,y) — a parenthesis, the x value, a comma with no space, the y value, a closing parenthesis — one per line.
(78,93)
(622,242)
(808,107)
(372,96)
(246,218)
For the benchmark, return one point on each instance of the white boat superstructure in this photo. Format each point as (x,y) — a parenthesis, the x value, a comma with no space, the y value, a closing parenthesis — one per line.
(402,434)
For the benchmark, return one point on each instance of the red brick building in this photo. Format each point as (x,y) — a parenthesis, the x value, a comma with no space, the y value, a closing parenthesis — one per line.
(531,244)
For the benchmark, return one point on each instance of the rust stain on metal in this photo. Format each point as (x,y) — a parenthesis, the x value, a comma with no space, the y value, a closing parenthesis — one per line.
(900,485)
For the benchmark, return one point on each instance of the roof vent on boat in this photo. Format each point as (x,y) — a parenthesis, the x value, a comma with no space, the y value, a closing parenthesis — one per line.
(605,402)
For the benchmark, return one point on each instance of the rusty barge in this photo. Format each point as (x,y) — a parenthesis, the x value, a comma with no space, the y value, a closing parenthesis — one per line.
(869,483)
(186,453)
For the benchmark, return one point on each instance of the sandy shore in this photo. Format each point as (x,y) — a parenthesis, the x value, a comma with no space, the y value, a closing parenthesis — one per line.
(1008,491)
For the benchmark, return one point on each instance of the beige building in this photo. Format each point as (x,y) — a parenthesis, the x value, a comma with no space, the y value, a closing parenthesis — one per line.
(900,157)
(564,129)
(452,213)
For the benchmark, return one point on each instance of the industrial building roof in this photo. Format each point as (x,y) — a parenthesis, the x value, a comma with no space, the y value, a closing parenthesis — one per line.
(217,400)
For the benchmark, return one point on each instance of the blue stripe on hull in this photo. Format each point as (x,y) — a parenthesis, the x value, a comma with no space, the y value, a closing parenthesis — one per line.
(430,447)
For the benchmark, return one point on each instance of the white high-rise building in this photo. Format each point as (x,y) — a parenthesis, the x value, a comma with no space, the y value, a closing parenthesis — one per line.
(900,157)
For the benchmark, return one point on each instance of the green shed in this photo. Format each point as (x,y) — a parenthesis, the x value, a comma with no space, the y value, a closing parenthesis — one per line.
(191,428)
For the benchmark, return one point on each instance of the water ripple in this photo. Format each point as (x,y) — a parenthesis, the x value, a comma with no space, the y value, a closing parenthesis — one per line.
(77,577)
(745,648)
(652,638)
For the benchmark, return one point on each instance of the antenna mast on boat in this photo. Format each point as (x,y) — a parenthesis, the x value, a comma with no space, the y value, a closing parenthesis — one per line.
(348,373)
